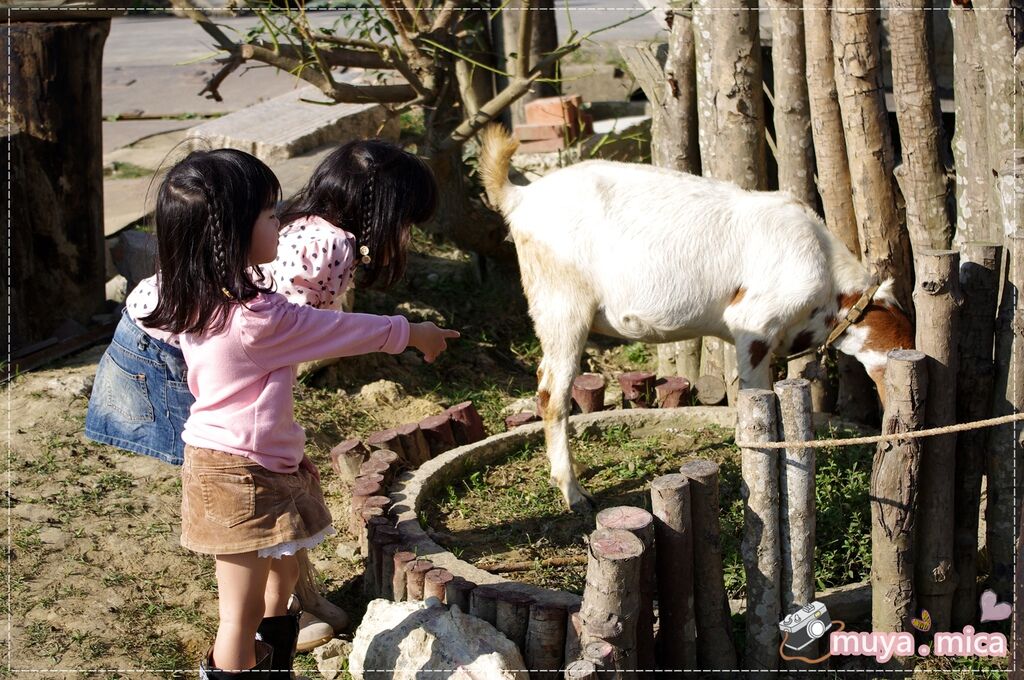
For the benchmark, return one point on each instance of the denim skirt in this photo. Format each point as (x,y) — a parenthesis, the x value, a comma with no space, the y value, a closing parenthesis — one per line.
(140,398)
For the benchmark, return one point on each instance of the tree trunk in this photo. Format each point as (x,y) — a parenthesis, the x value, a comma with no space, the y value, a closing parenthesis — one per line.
(544,39)
(827,125)
(922,172)
(979,281)
(970,136)
(894,484)
(1003,441)
(1001,59)
(54,253)
(937,299)
(885,246)
(757,421)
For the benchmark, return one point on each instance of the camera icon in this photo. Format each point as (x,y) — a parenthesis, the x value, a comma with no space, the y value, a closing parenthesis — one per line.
(805,625)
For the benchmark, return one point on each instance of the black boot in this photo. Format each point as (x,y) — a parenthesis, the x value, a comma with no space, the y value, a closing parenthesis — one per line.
(261,671)
(281,633)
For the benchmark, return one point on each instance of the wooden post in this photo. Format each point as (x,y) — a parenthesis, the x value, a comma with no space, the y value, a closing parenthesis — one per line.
(512,616)
(54,249)
(415,573)
(387,569)
(365,487)
(346,458)
(894,484)
(373,466)
(483,603)
(715,647)
(545,638)
(937,299)
(392,460)
(573,634)
(640,523)
(611,599)
(435,583)
(367,514)
(637,389)
(1017,629)
(602,654)
(382,537)
(979,282)
(673,392)
(885,246)
(467,425)
(1008,397)
(388,440)
(398,590)
(710,390)
(457,593)
(677,629)
(371,561)
(437,430)
(757,421)
(414,445)
(796,499)
(588,392)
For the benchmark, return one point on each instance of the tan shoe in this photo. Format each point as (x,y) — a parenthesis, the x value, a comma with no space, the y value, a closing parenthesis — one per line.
(313,632)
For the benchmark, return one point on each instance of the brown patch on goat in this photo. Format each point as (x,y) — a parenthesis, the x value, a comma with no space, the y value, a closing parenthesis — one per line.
(758,351)
(543,399)
(737,297)
(802,341)
(888,327)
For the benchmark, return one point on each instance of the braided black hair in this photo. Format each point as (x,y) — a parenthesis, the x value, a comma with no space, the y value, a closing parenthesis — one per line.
(206,208)
(377,191)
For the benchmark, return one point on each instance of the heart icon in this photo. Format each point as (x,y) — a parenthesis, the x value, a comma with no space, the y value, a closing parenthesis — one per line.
(923,624)
(991,610)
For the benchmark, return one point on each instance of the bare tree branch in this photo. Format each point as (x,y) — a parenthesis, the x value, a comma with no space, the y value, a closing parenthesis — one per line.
(201,18)
(444,16)
(212,88)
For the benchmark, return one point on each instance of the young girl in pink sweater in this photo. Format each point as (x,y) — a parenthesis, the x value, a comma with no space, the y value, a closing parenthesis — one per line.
(250,497)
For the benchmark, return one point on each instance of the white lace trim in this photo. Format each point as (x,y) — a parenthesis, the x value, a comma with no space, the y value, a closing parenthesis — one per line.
(291,547)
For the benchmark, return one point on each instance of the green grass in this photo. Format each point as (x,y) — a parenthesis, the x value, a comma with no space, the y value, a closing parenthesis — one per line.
(124,170)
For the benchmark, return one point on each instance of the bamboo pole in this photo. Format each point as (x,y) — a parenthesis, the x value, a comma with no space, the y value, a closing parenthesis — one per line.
(676,644)
(894,485)
(937,299)
(715,647)
(757,421)
(979,282)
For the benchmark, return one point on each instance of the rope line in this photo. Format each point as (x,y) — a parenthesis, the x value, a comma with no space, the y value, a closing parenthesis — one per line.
(874,439)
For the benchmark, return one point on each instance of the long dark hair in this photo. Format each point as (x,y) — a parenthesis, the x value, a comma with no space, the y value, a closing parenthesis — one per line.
(205,211)
(375,190)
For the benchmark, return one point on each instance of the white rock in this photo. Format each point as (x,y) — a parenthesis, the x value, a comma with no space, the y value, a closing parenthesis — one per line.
(408,640)
(382,392)
(117,289)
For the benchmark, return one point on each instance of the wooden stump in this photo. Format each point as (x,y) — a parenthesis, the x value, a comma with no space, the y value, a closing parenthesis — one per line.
(894,484)
(346,458)
(365,487)
(512,616)
(710,603)
(371,564)
(483,603)
(519,419)
(366,515)
(979,282)
(545,638)
(677,629)
(387,569)
(673,392)
(757,421)
(796,498)
(388,440)
(381,537)
(437,430)
(640,523)
(402,557)
(377,467)
(637,389)
(611,599)
(415,574)
(414,444)
(710,390)
(602,655)
(467,425)
(457,592)
(588,392)
(581,670)
(435,583)
(394,463)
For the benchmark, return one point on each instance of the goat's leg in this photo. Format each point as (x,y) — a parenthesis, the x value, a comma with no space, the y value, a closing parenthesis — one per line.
(562,344)
(753,360)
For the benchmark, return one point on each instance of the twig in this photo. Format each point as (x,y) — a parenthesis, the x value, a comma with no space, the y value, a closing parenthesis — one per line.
(525,39)
(212,88)
(506,567)
(444,15)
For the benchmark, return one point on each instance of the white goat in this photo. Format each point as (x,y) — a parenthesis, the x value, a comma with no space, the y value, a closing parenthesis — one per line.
(654,255)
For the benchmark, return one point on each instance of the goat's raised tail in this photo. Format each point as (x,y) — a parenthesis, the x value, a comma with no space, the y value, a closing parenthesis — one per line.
(496,149)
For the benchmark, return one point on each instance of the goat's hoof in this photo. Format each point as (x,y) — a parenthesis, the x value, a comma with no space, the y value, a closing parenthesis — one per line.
(584,505)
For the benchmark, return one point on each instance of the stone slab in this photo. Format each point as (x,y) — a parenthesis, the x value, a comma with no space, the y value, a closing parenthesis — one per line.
(291,124)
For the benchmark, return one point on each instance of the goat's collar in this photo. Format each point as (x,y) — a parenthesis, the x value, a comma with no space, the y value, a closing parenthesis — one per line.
(853,315)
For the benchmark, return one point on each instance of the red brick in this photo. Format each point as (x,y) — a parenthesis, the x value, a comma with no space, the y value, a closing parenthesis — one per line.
(542,146)
(554,110)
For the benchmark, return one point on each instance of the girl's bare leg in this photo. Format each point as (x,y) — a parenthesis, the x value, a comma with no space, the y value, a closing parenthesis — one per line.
(241,586)
(284,574)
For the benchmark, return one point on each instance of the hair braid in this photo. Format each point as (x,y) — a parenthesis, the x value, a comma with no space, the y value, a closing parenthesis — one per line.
(217,235)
